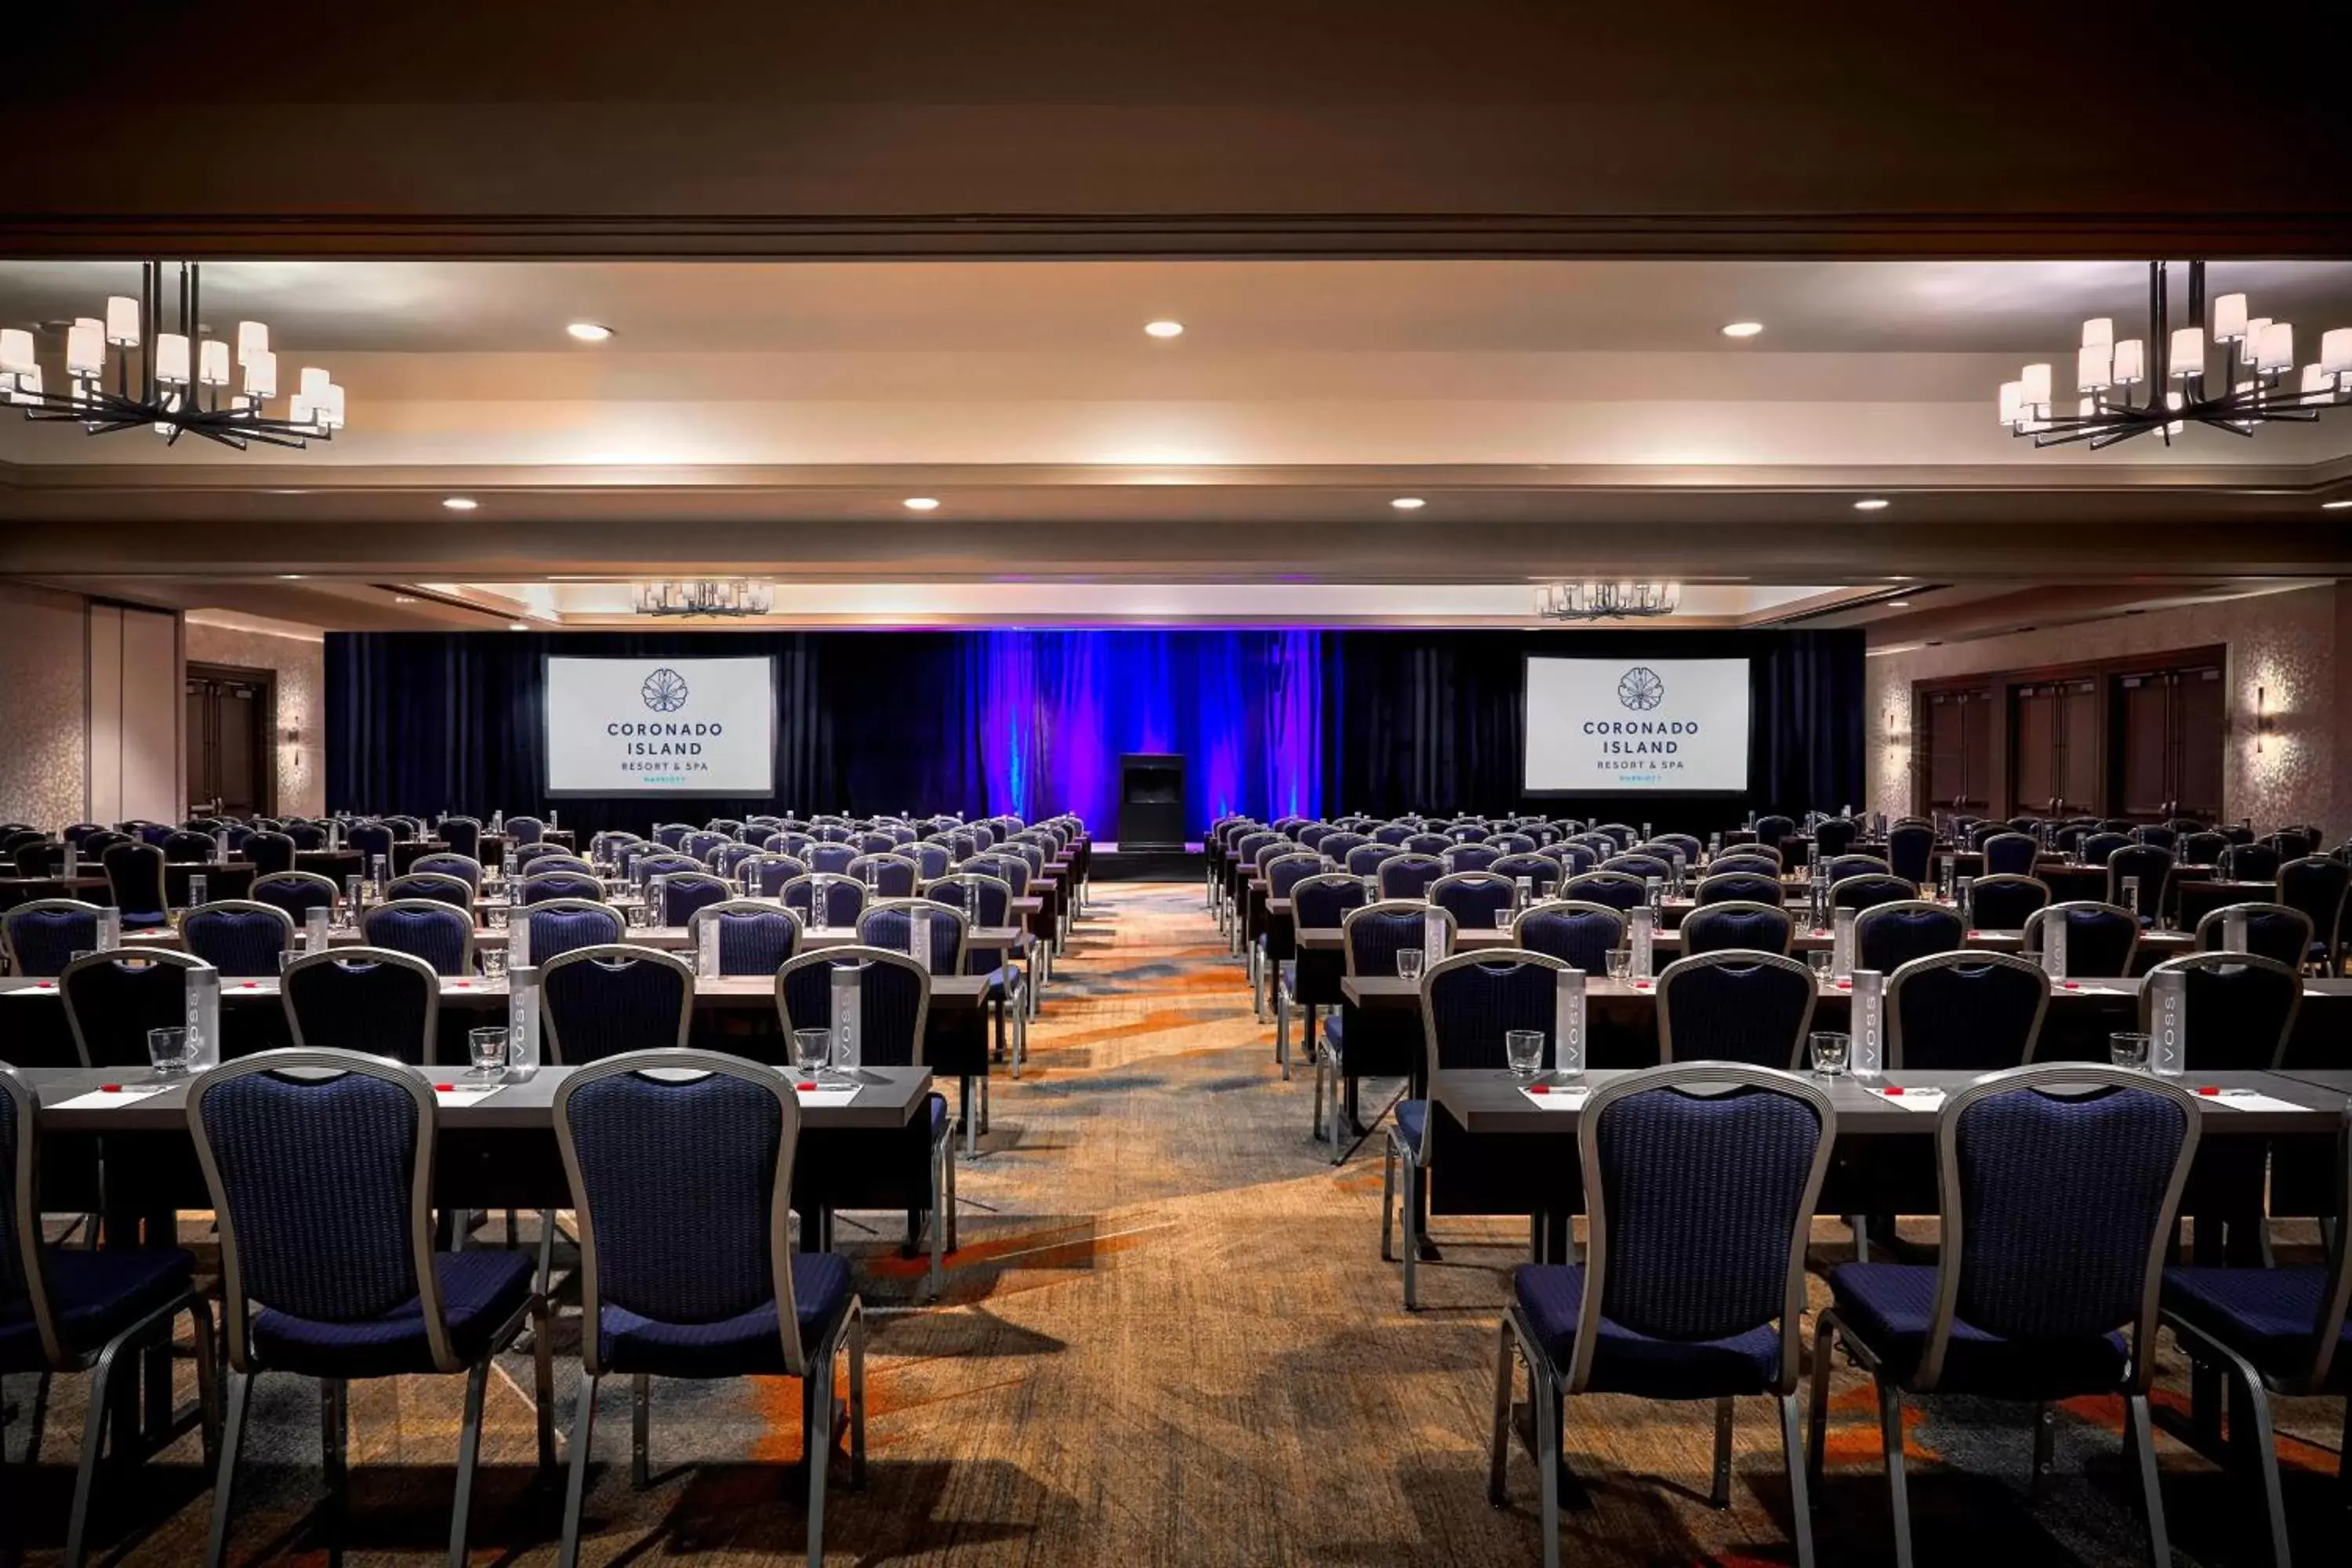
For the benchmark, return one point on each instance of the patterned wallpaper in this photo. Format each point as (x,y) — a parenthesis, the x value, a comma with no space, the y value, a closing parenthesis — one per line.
(301,664)
(43,710)
(2286,645)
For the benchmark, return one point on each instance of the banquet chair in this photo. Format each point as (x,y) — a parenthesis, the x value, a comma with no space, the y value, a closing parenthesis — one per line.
(1833,836)
(2005,902)
(38,856)
(1836,868)
(1866,891)
(446,863)
(1272,947)
(378,1000)
(877,842)
(1739,887)
(1366,859)
(563,925)
(729,861)
(1618,832)
(2274,931)
(525,830)
(462,835)
(755,937)
(425,929)
(1968,1012)
(1888,936)
(1734,1007)
(600,1000)
(1518,842)
(2317,886)
(242,937)
(2097,846)
(915,1173)
(1910,849)
(113,998)
(1542,873)
(134,875)
(1640,866)
(436,885)
(298,893)
(2057,1213)
(305,835)
(1469,856)
(41,935)
(931,860)
(546,885)
(1747,860)
(2101,939)
(1575,859)
(327,1266)
(1738,925)
(2009,854)
(670,835)
(1773,827)
(1615,889)
(2275,1331)
(2151,865)
(832,858)
(1338,846)
(837,899)
(189,848)
(1409,875)
(1311,981)
(1359,1043)
(1474,898)
(1468,1002)
(524,859)
(1699,1184)
(765,873)
(683,892)
(683,1186)
(371,839)
(2161,835)
(890,924)
(887,876)
(2240,1006)
(66,1309)
(2204,848)
(697,846)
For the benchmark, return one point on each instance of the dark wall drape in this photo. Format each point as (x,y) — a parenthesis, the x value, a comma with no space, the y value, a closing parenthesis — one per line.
(1035,721)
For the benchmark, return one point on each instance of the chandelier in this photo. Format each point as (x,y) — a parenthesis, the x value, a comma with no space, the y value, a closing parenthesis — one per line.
(2160,383)
(127,371)
(1606,601)
(703,596)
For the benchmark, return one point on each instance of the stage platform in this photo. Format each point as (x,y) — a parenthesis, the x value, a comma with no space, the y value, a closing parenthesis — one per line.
(1113,864)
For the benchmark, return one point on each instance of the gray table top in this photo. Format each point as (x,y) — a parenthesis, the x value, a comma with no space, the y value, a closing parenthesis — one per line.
(1388,990)
(887,1098)
(948,992)
(1488,1101)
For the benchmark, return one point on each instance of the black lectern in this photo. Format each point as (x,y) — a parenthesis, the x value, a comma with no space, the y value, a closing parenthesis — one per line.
(1151,800)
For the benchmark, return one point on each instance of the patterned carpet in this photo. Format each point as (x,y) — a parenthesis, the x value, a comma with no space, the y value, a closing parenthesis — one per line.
(1169,1339)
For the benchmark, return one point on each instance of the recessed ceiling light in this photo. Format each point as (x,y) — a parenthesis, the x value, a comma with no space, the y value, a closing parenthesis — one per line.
(403,598)
(1408,503)
(1163,329)
(460,503)
(518,626)
(921,503)
(2336,506)
(1898,604)
(290,576)
(590,332)
(1743,329)
(1872,504)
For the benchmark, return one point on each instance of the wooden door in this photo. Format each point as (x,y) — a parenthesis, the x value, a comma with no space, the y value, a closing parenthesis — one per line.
(229,717)
(1958,725)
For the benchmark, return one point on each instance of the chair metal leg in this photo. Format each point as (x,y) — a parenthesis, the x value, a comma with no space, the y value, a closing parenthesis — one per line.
(1498,1449)
(469,1455)
(641,1420)
(1411,1228)
(1817,1434)
(93,1447)
(239,1390)
(2261,1441)
(1720,1496)
(1801,1507)
(1548,1415)
(951,1197)
(857,1398)
(817,1446)
(1387,1203)
(584,1434)
(542,1357)
(2045,1429)
(942,1155)
(334,1444)
(2139,1431)
(200,1320)
(1319,1075)
(1898,1497)
(1282,1028)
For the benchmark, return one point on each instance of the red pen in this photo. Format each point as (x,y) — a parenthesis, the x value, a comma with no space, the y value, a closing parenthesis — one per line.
(110,1088)
(2209,1088)
(445,1088)
(1892,1088)
(807,1086)
(1538,1089)
(2072,984)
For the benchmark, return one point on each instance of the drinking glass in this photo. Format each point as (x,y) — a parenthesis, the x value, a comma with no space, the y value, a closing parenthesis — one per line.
(498,913)
(1503,919)
(2128,1049)
(488,1048)
(1524,1048)
(168,1050)
(637,914)
(811,1050)
(1621,963)
(1408,961)
(1829,1050)
(1820,959)
(494,963)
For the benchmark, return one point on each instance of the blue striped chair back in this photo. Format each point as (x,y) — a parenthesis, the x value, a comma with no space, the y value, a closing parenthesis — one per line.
(239,937)
(375,1000)
(429,929)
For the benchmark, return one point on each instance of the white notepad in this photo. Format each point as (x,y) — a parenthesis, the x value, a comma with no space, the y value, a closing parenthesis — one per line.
(1914,1099)
(460,1096)
(110,1098)
(1557,1098)
(818,1098)
(2246,1100)
(45,988)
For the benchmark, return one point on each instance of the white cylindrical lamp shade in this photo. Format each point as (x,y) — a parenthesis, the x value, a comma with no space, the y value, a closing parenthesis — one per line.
(212,362)
(252,338)
(2099,331)
(2336,350)
(122,320)
(2012,401)
(314,384)
(2274,350)
(2037,388)
(2093,365)
(330,407)
(28,386)
(2317,379)
(17,351)
(2230,317)
(261,375)
(2187,353)
(2131,362)
(86,347)
(172,359)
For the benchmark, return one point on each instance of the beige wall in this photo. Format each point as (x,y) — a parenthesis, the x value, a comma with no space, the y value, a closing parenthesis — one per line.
(44,707)
(2291,646)
(300,662)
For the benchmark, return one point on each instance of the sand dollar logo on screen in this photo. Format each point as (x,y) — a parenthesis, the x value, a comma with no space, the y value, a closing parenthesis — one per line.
(664,690)
(1641,689)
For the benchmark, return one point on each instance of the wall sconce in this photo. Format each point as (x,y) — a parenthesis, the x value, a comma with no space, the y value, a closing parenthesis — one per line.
(294,744)
(2261,720)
